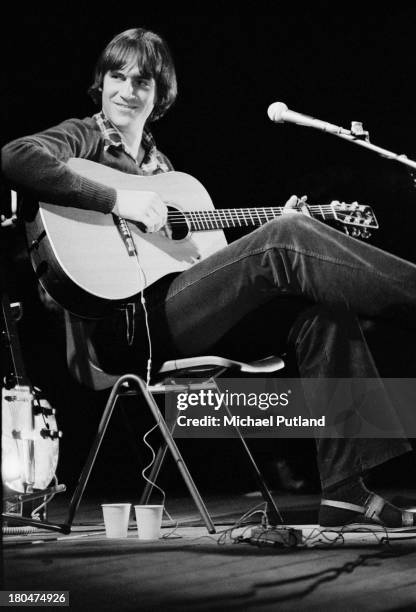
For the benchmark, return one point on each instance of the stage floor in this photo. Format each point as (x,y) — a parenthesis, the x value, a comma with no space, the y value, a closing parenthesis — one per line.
(192,570)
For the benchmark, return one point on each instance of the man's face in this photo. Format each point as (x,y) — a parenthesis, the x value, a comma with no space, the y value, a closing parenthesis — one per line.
(128,97)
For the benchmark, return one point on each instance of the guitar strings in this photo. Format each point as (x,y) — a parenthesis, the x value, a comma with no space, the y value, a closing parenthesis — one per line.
(256,220)
(237,210)
(253,215)
(240,211)
(245,212)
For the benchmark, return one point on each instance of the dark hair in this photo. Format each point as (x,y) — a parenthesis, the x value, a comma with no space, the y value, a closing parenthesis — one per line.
(153,59)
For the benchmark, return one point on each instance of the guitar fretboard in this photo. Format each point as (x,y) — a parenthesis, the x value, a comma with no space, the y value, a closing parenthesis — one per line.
(239,217)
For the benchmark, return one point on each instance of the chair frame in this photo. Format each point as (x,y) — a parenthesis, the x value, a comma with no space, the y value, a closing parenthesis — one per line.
(147,392)
(82,363)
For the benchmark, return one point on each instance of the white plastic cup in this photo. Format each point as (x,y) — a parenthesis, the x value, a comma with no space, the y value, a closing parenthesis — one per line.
(149,521)
(116,519)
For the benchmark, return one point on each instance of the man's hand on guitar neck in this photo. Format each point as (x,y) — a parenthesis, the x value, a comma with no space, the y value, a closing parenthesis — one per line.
(144,207)
(296,205)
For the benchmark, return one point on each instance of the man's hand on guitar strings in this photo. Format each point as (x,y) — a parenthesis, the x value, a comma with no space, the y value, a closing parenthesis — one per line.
(144,207)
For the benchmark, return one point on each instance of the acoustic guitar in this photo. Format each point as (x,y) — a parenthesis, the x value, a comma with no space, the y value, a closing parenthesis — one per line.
(89,261)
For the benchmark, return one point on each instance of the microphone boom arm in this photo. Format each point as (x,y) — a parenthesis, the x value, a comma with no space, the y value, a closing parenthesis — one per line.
(401,158)
(279,113)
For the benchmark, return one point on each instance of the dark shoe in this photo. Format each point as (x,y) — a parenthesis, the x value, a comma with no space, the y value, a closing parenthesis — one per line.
(344,516)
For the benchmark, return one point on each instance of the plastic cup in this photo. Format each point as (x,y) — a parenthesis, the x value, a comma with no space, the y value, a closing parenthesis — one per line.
(116,519)
(149,521)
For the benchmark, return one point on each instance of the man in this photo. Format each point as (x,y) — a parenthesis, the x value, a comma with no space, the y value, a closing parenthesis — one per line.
(328,278)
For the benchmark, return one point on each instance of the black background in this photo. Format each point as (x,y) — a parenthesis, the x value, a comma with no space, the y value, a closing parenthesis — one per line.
(338,64)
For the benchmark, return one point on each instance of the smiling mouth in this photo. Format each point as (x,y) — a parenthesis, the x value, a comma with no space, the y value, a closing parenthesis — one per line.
(128,106)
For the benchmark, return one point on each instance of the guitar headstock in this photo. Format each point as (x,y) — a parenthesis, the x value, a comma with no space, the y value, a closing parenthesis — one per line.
(357,219)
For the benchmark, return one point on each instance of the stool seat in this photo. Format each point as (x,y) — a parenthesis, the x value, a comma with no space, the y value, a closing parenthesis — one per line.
(83,363)
(202,365)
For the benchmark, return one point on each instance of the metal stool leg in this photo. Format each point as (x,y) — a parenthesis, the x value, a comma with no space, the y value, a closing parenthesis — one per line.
(92,455)
(175,453)
(272,510)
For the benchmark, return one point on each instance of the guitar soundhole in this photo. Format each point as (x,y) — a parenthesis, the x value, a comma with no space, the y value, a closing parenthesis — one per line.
(177,224)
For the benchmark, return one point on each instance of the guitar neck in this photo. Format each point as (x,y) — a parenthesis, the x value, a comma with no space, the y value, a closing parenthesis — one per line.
(244,217)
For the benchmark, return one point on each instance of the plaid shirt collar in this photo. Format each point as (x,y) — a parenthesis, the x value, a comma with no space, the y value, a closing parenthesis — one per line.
(152,161)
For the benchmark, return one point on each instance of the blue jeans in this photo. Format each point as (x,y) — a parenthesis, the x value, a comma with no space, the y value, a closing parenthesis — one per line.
(333,280)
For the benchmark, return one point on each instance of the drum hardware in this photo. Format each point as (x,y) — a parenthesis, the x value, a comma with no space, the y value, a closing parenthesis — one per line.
(30,437)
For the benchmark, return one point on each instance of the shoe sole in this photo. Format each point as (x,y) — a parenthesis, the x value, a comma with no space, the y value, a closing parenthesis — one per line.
(368,527)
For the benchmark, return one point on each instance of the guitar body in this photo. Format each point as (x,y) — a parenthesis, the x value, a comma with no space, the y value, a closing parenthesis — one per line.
(81,260)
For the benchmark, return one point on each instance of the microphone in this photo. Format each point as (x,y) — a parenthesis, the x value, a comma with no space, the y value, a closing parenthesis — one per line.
(279,113)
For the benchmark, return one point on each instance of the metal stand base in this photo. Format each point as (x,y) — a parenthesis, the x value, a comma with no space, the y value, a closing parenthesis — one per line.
(21,498)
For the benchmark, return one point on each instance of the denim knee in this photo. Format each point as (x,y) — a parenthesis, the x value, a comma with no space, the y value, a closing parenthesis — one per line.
(288,228)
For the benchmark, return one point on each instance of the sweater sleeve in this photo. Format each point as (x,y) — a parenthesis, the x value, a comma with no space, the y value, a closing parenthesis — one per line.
(37,165)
